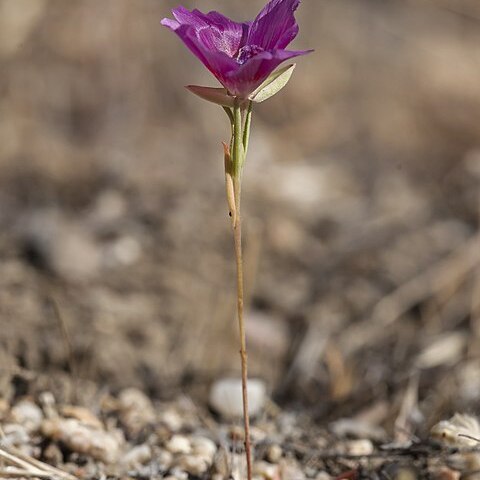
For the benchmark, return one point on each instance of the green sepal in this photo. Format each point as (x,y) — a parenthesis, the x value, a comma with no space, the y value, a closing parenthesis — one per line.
(218,96)
(273,84)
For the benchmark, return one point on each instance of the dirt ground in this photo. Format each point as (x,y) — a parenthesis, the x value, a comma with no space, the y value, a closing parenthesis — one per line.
(361,205)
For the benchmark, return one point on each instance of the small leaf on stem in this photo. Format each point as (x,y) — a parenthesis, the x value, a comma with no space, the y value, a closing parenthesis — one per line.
(219,96)
(273,84)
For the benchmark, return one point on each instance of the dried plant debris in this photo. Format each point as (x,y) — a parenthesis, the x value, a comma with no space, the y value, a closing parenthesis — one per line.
(459,431)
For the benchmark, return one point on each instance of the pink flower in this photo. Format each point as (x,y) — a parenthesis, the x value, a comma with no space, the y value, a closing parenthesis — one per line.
(240,55)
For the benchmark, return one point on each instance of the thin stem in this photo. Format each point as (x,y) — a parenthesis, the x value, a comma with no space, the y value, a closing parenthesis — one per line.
(237,235)
(238,156)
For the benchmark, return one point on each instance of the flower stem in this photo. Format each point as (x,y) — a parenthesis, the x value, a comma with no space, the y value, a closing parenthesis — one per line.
(240,135)
(237,234)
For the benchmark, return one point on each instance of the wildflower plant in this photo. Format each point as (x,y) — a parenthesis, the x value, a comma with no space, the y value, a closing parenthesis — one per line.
(243,57)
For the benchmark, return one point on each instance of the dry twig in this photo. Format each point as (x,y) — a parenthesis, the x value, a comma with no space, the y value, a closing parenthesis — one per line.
(22,465)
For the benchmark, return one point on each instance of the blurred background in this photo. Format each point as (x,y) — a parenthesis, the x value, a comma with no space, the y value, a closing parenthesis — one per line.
(361,206)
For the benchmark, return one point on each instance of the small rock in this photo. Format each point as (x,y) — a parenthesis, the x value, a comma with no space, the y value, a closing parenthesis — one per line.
(27,414)
(400,472)
(124,251)
(359,447)
(266,470)
(226,397)
(274,453)
(193,465)
(203,447)
(110,206)
(178,474)
(258,435)
(291,470)
(137,456)
(83,439)
(444,473)
(15,434)
(136,410)
(179,444)
(323,476)
(82,414)
(172,420)
(53,454)
(164,459)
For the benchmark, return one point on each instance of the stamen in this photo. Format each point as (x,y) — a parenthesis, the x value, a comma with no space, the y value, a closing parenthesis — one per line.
(247,52)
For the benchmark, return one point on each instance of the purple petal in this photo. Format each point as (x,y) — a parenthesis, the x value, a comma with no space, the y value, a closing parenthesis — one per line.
(275,26)
(172,24)
(218,62)
(223,33)
(245,79)
(186,17)
(214,30)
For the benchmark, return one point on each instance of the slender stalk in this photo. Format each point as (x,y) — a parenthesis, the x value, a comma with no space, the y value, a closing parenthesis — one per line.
(239,136)
(248,124)
(238,151)
(237,234)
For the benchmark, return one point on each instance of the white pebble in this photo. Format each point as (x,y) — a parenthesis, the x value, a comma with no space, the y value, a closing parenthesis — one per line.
(266,470)
(164,459)
(179,444)
(203,447)
(359,447)
(178,474)
(193,465)
(323,476)
(27,414)
(172,420)
(101,445)
(274,453)
(15,434)
(137,456)
(226,397)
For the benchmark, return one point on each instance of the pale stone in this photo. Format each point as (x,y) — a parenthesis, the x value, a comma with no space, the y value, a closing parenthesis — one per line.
(203,447)
(266,470)
(193,465)
(179,444)
(359,447)
(137,456)
(27,414)
(81,438)
(274,453)
(226,397)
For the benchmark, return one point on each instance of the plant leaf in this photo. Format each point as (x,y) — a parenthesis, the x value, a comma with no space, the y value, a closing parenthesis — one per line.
(273,84)
(212,94)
